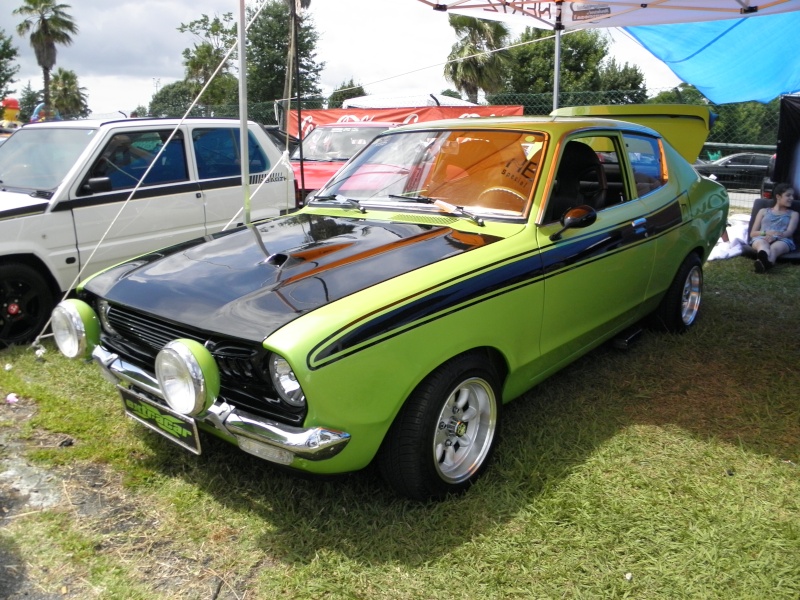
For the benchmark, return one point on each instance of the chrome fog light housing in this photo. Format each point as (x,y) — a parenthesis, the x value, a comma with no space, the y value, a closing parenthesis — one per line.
(285,381)
(102,312)
(188,376)
(76,328)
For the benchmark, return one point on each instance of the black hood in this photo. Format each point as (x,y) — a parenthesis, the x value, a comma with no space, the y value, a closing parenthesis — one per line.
(248,283)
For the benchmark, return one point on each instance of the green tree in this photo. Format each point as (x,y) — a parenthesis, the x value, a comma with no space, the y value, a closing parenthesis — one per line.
(345,91)
(173,99)
(215,37)
(68,97)
(267,50)
(8,54)
(625,80)
(48,24)
(475,62)
(294,7)
(533,63)
(451,94)
(684,93)
(28,100)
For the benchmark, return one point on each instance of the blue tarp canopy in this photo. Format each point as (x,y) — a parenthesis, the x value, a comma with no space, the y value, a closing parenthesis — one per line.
(733,60)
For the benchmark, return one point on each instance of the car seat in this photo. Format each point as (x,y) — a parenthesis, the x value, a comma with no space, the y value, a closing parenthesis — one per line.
(580,180)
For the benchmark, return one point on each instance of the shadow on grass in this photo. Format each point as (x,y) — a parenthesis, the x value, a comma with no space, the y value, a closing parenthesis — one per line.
(732,378)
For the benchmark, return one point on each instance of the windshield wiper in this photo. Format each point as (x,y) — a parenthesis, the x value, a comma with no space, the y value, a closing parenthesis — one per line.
(445,206)
(339,199)
(420,199)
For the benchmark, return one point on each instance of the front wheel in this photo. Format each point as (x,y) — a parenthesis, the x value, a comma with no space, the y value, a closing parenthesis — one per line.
(25,304)
(443,438)
(681,304)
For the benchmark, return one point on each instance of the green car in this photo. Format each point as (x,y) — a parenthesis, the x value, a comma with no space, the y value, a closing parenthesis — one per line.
(446,269)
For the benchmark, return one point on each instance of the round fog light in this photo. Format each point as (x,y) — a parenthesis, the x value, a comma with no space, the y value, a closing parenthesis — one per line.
(188,376)
(75,328)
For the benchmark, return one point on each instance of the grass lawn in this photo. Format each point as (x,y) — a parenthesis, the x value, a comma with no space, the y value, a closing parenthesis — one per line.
(669,470)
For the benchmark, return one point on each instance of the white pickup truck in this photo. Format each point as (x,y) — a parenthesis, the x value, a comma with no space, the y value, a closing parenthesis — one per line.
(63,183)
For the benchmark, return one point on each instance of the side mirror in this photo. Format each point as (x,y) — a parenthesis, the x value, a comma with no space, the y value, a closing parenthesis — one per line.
(575,218)
(95,185)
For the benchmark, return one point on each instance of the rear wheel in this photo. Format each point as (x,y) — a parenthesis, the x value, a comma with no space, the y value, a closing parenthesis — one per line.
(25,304)
(681,304)
(443,438)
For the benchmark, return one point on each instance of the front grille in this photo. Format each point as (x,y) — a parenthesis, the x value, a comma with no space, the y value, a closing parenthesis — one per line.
(244,378)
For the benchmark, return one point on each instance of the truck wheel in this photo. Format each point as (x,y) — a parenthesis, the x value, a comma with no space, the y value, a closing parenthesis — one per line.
(443,438)
(25,304)
(681,304)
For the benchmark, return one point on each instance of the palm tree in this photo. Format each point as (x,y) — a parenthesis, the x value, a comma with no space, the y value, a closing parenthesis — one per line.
(48,24)
(475,63)
(69,98)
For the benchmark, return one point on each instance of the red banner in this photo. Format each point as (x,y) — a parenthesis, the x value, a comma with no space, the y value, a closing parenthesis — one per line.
(313,118)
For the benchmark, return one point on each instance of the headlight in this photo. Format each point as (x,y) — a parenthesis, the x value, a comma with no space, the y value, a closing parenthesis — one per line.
(188,376)
(285,382)
(75,328)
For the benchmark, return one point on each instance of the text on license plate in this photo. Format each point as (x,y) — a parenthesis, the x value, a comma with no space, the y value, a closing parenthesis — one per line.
(174,426)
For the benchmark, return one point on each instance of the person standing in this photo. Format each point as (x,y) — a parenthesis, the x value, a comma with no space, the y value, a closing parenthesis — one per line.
(773,229)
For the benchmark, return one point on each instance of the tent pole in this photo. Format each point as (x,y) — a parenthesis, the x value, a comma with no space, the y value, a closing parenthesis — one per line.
(559,26)
(244,140)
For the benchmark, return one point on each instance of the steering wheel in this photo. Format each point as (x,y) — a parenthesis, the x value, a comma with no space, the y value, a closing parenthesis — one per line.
(502,198)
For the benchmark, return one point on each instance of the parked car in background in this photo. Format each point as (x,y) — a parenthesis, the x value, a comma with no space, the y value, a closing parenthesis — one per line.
(767,183)
(745,170)
(282,139)
(63,183)
(327,148)
(446,269)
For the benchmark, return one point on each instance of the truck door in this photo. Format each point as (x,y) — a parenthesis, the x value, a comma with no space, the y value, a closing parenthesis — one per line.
(166,209)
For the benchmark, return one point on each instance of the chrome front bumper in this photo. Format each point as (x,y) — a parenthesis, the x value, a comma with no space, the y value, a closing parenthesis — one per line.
(262,437)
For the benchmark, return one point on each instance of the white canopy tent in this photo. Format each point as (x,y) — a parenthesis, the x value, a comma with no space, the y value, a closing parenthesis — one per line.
(560,16)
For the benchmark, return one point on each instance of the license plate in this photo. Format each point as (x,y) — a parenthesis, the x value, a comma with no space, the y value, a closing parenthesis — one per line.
(175,427)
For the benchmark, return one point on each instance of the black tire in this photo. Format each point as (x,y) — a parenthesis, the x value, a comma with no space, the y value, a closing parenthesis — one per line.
(444,436)
(680,306)
(25,304)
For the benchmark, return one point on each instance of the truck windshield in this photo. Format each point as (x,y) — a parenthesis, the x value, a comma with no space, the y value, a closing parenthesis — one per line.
(39,158)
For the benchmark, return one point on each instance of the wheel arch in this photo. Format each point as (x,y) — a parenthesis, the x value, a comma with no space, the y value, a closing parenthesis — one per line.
(34,262)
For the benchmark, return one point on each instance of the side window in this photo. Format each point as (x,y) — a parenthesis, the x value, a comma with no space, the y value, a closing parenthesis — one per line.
(589,172)
(217,152)
(127,156)
(645,157)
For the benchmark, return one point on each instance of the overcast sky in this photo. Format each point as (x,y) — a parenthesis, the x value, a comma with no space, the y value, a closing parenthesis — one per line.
(126,49)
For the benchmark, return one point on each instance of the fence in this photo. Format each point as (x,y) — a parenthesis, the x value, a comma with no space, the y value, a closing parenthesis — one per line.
(741,127)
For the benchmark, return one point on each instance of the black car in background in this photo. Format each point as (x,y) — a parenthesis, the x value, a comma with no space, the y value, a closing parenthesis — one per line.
(768,182)
(745,170)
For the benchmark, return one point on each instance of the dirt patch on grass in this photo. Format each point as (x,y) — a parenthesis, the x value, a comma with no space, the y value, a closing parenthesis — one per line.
(98,507)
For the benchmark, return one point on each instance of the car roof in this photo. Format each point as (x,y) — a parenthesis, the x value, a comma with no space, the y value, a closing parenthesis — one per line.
(562,124)
(143,122)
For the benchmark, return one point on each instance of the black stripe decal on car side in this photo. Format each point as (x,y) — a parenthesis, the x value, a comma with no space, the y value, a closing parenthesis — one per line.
(121,196)
(484,284)
(23,211)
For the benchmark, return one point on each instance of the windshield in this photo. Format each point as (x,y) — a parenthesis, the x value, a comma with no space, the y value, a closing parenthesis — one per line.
(336,143)
(484,171)
(39,158)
